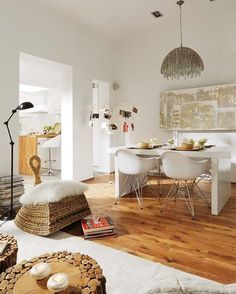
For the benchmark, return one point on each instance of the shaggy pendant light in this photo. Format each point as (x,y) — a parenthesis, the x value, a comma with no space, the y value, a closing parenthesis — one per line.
(182,62)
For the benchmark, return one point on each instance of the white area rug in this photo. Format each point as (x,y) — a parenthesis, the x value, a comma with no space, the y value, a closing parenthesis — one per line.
(125,273)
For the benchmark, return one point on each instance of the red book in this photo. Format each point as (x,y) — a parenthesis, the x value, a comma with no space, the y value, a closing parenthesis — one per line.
(105,223)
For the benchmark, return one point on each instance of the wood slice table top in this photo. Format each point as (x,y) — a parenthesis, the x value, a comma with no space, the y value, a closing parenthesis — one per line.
(84,273)
(27,284)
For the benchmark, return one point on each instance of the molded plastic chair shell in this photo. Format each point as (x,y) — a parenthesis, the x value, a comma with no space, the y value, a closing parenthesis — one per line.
(178,166)
(131,164)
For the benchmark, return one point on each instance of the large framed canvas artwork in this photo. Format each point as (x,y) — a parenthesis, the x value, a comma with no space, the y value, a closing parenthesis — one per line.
(207,108)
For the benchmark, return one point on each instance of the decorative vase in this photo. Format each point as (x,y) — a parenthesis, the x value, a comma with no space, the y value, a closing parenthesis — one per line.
(125,127)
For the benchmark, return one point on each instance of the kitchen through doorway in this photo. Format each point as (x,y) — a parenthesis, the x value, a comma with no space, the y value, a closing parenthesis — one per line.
(43,128)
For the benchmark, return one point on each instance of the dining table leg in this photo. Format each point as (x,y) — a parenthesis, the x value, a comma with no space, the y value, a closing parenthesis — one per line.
(221,184)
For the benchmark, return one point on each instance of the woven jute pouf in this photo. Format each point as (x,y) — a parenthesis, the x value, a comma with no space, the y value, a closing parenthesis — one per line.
(47,218)
(9,256)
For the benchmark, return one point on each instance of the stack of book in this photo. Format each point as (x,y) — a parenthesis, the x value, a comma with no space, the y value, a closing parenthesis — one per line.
(5,191)
(102,228)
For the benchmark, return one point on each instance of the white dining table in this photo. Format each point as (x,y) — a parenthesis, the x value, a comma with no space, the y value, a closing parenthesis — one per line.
(220,157)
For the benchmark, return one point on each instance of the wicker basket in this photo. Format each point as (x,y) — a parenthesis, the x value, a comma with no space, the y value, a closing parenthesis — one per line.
(47,218)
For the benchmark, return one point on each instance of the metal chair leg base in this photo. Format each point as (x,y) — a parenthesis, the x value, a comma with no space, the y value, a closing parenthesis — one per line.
(49,173)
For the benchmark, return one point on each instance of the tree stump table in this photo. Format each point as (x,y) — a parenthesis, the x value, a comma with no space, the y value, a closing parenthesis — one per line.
(9,256)
(84,273)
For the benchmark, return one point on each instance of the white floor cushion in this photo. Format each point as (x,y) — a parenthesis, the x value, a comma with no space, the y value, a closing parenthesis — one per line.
(52,191)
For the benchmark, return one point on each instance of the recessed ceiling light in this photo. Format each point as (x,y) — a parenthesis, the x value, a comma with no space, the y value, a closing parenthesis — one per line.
(156,14)
(31,89)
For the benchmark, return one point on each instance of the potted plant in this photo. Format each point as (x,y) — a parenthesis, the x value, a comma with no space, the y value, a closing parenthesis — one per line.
(202,142)
(171,142)
(47,129)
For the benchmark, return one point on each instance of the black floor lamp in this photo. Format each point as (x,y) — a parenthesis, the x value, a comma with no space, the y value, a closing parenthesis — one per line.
(25,105)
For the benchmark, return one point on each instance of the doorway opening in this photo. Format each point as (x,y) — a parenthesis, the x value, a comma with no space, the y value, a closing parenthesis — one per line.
(47,129)
(101,133)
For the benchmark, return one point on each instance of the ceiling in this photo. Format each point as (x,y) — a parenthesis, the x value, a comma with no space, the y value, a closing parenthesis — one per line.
(117,19)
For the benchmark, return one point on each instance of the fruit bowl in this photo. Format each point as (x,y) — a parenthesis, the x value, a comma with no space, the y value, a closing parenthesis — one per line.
(143,145)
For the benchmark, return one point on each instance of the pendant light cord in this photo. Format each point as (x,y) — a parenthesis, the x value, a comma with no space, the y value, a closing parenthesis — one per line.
(180,24)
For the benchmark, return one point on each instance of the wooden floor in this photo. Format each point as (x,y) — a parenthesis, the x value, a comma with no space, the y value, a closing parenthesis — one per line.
(205,246)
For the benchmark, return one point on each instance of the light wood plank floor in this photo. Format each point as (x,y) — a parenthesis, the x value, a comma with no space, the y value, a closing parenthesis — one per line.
(205,246)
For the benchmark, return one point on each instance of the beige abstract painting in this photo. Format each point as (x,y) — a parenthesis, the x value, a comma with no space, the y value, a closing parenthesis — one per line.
(208,108)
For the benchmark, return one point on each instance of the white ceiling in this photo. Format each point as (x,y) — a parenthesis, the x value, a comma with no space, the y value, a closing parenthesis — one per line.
(117,19)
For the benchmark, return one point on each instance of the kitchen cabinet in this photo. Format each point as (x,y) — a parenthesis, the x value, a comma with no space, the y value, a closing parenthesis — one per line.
(28,146)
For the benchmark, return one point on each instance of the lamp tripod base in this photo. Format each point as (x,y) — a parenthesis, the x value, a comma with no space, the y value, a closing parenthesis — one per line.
(8,216)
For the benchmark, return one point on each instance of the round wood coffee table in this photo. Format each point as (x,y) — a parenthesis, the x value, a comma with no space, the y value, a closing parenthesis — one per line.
(84,273)
(9,256)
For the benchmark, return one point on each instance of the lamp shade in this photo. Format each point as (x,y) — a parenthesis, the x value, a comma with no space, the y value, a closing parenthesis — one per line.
(25,105)
(182,61)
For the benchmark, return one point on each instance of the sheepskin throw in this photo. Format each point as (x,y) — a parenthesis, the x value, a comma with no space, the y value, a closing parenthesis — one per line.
(52,191)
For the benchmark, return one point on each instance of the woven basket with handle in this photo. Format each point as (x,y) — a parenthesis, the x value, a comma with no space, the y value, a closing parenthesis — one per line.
(46,218)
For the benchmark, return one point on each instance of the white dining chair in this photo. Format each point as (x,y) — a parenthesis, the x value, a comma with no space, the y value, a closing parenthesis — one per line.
(136,170)
(49,144)
(183,172)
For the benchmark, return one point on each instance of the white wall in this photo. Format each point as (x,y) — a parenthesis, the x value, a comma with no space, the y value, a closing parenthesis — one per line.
(211,35)
(28,27)
(34,122)
(46,74)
